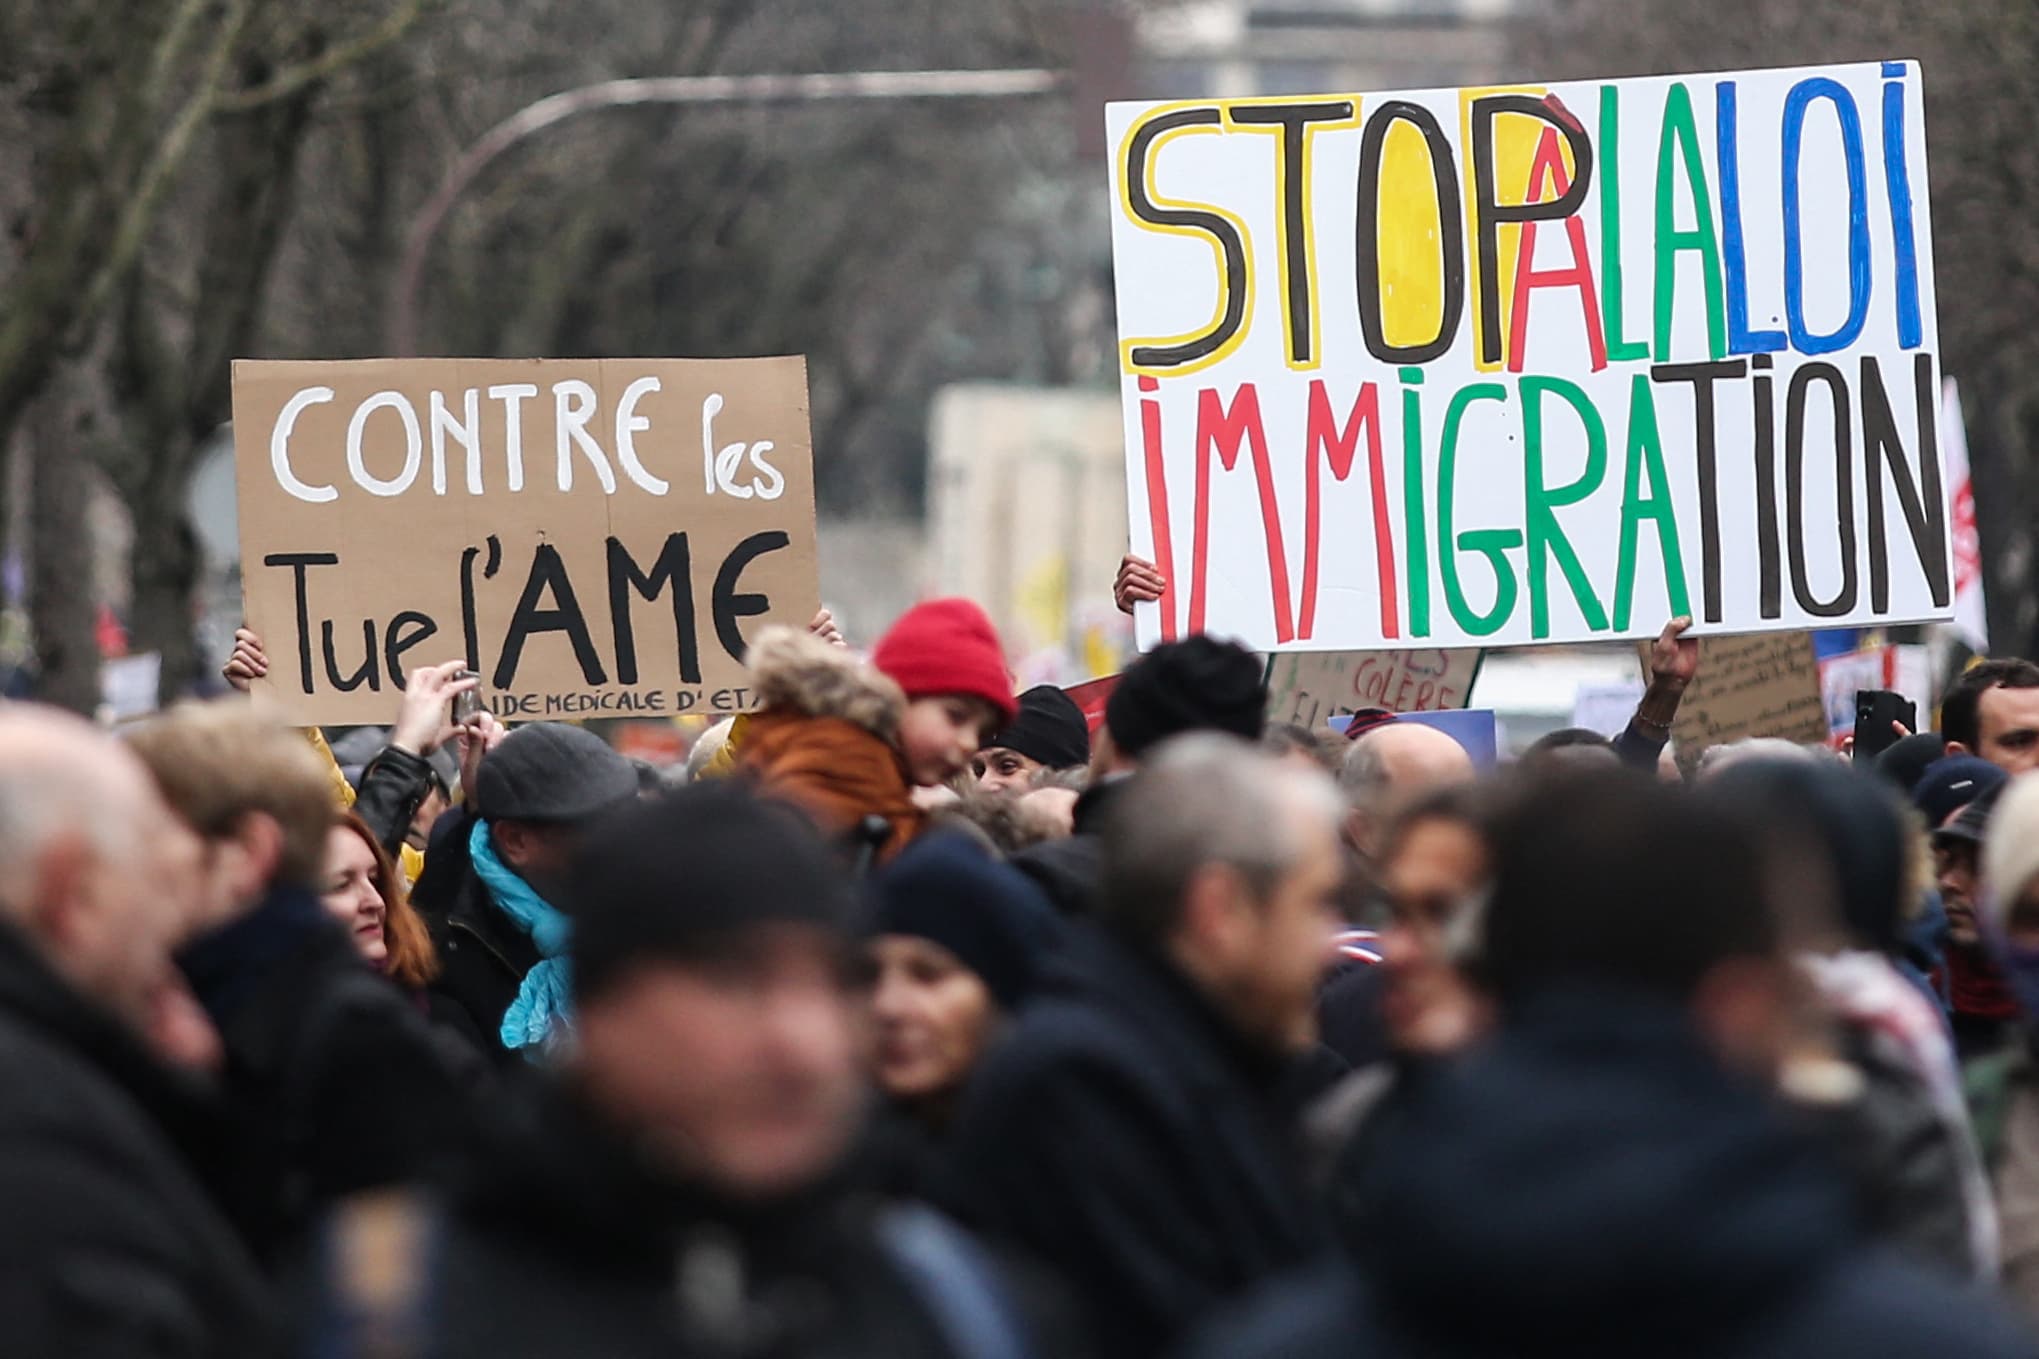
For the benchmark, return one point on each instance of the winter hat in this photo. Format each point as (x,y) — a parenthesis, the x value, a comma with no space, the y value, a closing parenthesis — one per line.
(1973,821)
(1198,684)
(1952,783)
(1906,762)
(548,771)
(1049,730)
(946,889)
(947,646)
(2010,854)
(1365,720)
(673,879)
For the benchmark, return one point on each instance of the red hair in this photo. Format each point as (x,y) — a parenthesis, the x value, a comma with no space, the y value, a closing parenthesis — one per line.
(412,960)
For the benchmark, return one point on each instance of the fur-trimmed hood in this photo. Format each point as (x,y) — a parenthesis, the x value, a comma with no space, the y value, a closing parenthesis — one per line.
(795,671)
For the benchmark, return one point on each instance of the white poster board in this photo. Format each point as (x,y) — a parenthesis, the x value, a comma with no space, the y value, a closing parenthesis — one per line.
(1534,363)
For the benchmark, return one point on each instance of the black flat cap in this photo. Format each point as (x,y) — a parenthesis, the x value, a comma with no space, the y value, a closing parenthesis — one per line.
(552,772)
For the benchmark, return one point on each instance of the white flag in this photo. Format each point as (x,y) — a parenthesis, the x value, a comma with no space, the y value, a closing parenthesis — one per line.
(1971,620)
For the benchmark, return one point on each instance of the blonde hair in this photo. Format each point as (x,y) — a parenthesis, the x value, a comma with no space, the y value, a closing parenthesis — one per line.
(218,762)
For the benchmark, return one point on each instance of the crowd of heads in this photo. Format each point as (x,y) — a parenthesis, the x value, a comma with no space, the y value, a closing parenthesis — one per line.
(853,899)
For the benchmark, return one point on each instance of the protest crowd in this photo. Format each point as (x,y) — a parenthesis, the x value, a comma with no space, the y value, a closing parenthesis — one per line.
(910,1017)
(376,1005)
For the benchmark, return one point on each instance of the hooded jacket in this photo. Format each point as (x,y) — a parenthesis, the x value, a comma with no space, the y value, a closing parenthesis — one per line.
(826,737)
(1593,1183)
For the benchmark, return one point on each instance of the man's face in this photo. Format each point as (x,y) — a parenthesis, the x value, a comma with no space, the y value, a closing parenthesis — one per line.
(1954,871)
(131,908)
(742,1072)
(1288,944)
(541,853)
(1429,881)
(2007,728)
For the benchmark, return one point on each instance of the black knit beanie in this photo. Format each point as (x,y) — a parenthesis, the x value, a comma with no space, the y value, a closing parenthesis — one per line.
(946,889)
(1049,730)
(1199,684)
(674,879)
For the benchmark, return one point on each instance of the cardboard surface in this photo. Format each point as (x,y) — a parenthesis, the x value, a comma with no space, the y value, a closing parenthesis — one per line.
(1311,687)
(1533,363)
(597,537)
(1767,684)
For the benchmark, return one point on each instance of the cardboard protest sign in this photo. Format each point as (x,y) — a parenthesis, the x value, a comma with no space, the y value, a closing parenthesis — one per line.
(1309,688)
(1534,363)
(1767,684)
(598,538)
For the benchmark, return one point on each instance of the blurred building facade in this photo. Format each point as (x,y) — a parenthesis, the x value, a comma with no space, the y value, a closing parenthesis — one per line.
(1238,48)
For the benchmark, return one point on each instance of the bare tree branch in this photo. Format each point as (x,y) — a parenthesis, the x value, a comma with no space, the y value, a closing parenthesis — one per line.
(296,79)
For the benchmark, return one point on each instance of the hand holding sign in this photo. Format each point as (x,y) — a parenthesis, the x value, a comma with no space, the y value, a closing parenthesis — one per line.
(248,663)
(1138,583)
(1674,656)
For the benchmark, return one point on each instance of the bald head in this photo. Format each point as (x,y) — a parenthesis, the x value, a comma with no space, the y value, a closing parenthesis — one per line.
(1399,759)
(1387,768)
(94,870)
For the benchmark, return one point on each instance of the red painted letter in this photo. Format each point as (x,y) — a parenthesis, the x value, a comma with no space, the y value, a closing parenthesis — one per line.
(1549,166)
(1221,431)
(1339,447)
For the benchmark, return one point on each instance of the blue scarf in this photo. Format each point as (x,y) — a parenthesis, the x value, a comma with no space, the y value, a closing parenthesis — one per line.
(546,996)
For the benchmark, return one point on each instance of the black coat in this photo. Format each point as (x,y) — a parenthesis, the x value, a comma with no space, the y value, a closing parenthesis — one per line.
(483,956)
(1592,1183)
(561,1244)
(108,1244)
(1069,870)
(1124,1136)
(393,786)
(334,1081)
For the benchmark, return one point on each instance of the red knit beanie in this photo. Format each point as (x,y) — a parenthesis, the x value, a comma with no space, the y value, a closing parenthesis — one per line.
(947,646)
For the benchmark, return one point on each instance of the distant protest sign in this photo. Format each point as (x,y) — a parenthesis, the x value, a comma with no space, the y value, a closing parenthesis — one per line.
(598,538)
(1312,687)
(1767,684)
(1533,363)
(1092,696)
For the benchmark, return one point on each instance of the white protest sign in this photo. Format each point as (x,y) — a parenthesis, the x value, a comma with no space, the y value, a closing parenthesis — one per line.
(1533,363)
(1606,707)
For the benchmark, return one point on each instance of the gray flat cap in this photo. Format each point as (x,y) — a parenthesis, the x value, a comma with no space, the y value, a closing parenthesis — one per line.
(552,772)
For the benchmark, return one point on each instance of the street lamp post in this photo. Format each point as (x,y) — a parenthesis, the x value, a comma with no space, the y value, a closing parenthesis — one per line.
(724,89)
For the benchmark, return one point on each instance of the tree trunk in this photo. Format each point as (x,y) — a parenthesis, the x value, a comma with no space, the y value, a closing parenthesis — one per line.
(61,608)
(164,568)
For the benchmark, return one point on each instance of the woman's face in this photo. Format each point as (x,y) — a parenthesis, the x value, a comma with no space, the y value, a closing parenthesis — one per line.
(1000,770)
(353,894)
(933,1016)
